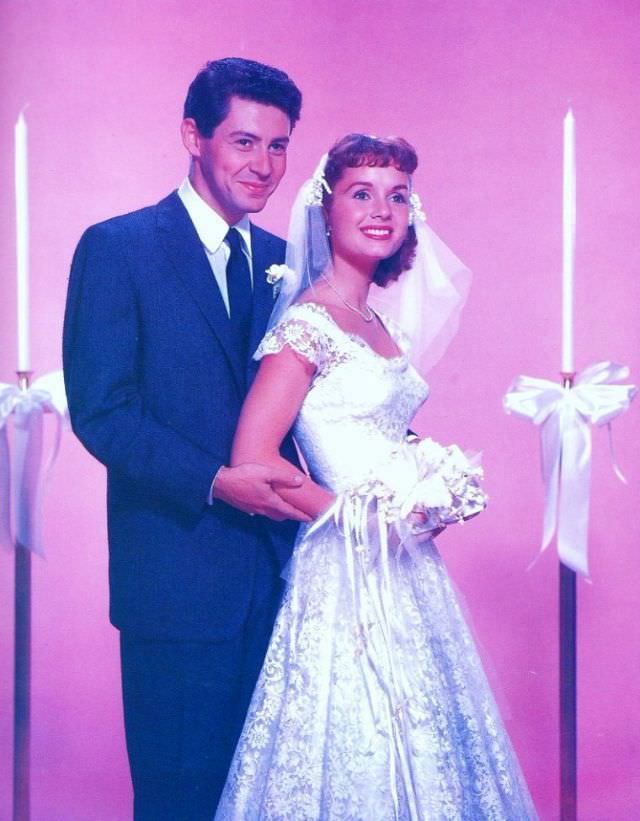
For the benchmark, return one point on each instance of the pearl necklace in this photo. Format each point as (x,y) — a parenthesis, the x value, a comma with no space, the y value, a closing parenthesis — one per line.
(367,317)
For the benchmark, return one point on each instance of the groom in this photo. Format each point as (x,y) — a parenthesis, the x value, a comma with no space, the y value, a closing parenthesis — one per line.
(165,307)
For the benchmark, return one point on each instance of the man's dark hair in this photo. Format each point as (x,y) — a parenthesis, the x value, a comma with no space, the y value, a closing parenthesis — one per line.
(209,96)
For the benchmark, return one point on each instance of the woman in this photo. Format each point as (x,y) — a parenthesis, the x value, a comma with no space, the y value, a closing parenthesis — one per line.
(372,703)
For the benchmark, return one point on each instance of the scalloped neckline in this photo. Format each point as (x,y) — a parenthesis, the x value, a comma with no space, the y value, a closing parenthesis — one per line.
(359,340)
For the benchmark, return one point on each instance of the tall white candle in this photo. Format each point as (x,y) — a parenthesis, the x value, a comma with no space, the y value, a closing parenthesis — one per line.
(568,238)
(22,242)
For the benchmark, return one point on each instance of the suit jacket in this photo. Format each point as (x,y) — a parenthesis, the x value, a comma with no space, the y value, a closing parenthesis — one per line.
(155,385)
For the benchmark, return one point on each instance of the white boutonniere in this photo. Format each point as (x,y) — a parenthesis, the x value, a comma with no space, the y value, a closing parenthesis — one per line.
(277,275)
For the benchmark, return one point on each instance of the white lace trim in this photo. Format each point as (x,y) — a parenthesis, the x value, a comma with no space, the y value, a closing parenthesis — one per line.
(309,329)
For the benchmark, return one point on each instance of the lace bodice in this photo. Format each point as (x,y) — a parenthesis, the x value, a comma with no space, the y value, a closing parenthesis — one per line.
(357,410)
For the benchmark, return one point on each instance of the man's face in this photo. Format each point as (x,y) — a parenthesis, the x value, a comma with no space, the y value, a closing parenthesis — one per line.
(238,168)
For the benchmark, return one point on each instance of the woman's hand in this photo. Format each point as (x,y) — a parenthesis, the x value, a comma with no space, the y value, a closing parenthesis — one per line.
(417,522)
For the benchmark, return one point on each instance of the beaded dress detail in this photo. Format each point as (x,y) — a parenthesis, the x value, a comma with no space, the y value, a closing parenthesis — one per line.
(372,703)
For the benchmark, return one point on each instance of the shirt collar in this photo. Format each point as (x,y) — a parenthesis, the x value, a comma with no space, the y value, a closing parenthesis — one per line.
(209,225)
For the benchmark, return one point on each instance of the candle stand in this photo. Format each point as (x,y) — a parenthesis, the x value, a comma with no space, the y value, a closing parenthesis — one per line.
(22,669)
(567,600)
(564,412)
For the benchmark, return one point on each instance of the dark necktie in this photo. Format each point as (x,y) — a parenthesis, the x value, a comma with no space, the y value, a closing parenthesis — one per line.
(239,289)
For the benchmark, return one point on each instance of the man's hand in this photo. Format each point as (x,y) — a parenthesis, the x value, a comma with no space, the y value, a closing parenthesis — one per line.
(250,488)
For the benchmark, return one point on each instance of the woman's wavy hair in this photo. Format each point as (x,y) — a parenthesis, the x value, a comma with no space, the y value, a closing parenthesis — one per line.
(356,150)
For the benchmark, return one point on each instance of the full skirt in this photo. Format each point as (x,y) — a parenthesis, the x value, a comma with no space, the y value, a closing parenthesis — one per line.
(372,702)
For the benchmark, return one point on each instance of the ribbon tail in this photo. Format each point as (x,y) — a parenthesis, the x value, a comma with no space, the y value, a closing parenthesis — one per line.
(41,485)
(6,539)
(616,467)
(573,514)
(551,449)
(332,512)
(26,479)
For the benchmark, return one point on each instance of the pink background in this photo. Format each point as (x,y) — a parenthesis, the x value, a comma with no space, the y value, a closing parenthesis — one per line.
(481,89)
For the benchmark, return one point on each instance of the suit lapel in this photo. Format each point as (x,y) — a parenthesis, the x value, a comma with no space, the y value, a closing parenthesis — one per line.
(190,264)
(264,252)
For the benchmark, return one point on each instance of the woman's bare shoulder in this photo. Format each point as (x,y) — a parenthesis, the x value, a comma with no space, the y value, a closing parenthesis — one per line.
(317,293)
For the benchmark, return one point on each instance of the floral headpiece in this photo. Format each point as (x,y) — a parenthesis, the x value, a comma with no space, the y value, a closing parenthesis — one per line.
(416,211)
(317,185)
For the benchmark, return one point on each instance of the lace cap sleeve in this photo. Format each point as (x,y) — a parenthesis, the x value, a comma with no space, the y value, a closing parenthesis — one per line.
(301,329)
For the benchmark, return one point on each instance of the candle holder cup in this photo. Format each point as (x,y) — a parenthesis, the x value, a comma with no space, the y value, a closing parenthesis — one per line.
(24,379)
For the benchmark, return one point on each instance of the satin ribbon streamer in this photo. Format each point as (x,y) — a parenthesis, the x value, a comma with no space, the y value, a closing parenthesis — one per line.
(355,515)
(25,473)
(564,415)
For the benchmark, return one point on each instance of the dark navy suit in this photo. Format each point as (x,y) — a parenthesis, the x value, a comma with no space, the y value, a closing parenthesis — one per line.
(155,384)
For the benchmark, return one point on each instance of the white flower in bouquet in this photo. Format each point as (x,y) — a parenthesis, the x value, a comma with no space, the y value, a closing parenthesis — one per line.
(400,475)
(455,460)
(431,492)
(429,455)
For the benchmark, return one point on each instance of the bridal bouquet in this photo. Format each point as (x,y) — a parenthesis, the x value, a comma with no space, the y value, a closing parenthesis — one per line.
(448,487)
(441,483)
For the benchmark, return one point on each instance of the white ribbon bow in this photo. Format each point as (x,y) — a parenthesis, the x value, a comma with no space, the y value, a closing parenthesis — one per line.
(564,415)
(24,473)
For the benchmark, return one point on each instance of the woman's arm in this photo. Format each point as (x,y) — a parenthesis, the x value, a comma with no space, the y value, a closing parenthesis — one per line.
(267,415)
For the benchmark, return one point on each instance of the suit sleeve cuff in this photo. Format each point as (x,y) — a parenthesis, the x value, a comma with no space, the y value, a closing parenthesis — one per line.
(210,497)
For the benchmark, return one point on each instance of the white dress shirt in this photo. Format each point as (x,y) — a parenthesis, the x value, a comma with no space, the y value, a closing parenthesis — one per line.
(212,230)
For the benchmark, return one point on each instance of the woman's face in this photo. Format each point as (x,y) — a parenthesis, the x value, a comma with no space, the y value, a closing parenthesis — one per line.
(369,213)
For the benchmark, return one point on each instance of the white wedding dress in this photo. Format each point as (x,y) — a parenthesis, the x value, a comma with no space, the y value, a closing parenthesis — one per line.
(372,702)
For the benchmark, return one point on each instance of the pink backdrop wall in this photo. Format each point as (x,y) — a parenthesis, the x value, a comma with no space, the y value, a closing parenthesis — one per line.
(480,88)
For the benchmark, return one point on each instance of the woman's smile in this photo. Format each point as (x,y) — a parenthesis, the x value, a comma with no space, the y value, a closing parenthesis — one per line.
(377,232)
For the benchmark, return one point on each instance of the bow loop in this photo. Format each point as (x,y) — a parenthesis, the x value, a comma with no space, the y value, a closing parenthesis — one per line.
(9,395)
(602,372)
(47,393)
(600,403)
(533,399)
(24,473)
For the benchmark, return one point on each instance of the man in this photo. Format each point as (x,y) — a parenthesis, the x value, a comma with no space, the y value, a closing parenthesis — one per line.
(165,307)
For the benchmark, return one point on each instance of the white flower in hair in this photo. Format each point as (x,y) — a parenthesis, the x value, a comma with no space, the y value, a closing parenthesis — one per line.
(416,211)
(317,185)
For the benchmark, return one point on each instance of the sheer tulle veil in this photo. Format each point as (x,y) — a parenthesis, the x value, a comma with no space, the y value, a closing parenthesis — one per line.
(426,301)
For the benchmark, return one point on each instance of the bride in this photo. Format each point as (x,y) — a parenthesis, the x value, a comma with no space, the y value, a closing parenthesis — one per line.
(372,702)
